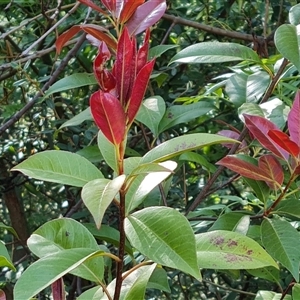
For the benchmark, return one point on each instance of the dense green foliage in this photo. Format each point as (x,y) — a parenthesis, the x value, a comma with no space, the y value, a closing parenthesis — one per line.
(193,94)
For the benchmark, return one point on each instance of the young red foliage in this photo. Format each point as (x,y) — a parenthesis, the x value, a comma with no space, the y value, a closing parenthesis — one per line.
(294,120)
(283,140)
(128,9)
(109,116)
(93,6)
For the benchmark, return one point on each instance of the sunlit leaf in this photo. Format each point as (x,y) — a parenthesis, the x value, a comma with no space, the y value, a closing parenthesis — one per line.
(267,295)
(294,120)
(5,260)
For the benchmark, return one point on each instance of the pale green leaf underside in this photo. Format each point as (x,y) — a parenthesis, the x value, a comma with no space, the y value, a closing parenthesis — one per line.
(59,166)
(85,115)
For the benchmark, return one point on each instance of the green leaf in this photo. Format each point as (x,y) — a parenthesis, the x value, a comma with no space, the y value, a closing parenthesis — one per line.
(159,280)
(199,159)
(147,168)
(59,166)
(296,291)
(60,234)
(215,52)
(287,41)
(227,221)
(222,249)
(71,82)
(108,234)
(151,112)
(108,151)
(268,273)
(85,115)
(10,229)
(260,188)
(178,114)
(281,240)
(154,232)
(250,109)
(94,293)
(5,260)
(98,194)
(289,207)
(294,14)
(143,184)
(266,295)
(182,144)
(157,51)
(91,153)
(55,266)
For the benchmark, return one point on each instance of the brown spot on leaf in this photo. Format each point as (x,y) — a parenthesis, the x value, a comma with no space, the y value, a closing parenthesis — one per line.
(232,243)
(217,241)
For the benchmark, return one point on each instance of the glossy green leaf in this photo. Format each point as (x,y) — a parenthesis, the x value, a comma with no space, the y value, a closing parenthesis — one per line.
(94,293)
(222,249)
(178,114)
(59,166)
(60,234)
(98,194)
(147,168)
(268,273)
(289,207)
(151,112)
(199,159)
(250,109)
(71,82)
(215,52)
(260,188)
(287,41)
(154,233)
(294,14)
(159,280)
(108,234)
(182,144)
(85,115)
(281,240)
(143,184)
(158,50)
(296,291)
(266,295)
(55,265)
(227,221)
(91,153)
(5,260)
(108,151)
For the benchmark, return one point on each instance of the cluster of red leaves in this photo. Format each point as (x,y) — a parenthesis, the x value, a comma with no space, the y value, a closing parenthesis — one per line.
(115,106)
(282,146)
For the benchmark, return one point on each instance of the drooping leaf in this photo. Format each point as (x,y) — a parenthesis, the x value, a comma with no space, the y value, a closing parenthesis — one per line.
(159,280)
(59,166)
(227,221)
(215,52)
(98,194)
(260,188)
(92,5)
(281,240)
(9,229)
(107,150)
(230,250)
(57,265)
(146,15)
(178,114)
(283,140)
(289,207)
(182,144)
(71,82)
(267,295)
(260,127)
(151,112)
(294,120)
(58,289)
(109,115)
(61,234)
(244,168)
(91,153)
(269,273)
(85,115)
(5,260)
(270,164)
(158,50)
(138,90)
(155,228)
(287,41)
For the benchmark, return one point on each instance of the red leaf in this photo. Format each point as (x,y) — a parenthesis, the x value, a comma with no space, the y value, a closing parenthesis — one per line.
(260,127)
(93,6)
(65,37)
(2,295)
(128,9)
(58,291)
(232,135)
(142,55)
(146,15)
(272,166)
(109,116)
(283,140)
(138,90)
(104,77)
(294,120)
(123,65)
(244,168)
(99,33)
(110,5)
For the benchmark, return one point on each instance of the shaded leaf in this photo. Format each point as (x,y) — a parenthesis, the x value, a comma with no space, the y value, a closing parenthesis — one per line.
(227,221)
(159,280)
(98,194)
(199,159)
(289,207)
(281,240)
(230,250)
(215,52)
(58,289)
(85,115)
(260,188)
(296,289)
(91,4)
(5,260)
(158,50)
(153,232)
(91,153)
(268,273)
(59,166)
